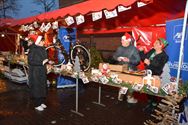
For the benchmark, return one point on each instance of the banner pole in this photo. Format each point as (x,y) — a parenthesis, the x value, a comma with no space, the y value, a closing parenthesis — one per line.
(182,45)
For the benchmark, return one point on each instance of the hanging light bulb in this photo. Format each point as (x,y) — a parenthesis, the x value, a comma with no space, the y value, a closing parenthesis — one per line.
(2,35)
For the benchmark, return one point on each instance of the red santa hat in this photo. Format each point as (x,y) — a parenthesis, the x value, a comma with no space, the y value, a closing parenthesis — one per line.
(126,37)
(35,38)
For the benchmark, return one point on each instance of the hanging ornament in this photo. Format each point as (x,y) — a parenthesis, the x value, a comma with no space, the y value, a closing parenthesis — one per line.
(35,24)
(110,14)
(122,8)
(26,28)
(141,4)
(47,27)
(69,20)
(21,28)
(55,25)
(30,27)
(96,15)
(42,27)
(32,32)
(80,19)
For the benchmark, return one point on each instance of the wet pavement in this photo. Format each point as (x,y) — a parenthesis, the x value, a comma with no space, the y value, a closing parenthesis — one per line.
(16,108)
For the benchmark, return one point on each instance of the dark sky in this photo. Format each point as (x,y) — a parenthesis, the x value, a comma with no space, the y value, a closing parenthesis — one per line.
(29,8)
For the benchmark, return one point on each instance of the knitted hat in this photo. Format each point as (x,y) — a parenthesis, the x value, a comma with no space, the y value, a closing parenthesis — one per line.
(163,42)
(126,37)
(35,38)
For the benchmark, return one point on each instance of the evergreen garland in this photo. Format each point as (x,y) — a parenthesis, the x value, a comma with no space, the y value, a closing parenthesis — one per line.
(95,58)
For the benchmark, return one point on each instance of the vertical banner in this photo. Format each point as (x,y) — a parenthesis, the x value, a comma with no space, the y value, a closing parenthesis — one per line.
(67,36)
(174,35)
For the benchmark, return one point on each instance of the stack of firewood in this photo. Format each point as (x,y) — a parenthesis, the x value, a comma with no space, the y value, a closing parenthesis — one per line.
(166,112)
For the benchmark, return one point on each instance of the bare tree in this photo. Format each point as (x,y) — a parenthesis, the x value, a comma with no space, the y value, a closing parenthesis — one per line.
(47,5)
(9,7)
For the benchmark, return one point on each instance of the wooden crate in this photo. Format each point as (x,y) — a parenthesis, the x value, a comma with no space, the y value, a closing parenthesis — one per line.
(118,68)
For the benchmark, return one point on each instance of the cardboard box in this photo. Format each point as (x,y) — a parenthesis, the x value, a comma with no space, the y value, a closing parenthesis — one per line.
(118,68)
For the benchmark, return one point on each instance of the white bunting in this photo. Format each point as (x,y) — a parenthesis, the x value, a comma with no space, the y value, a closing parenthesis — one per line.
(25,28)
(141,4)
(55,25)
(123,90)
(96,16)
(110,14)
(42,27)
(47,27)
(35,24)
(122,8)
(80,19)
(69,20)
(31,27)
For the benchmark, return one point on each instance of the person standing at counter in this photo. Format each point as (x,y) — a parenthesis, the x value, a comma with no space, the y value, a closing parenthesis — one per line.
(154,60)
(37,58)
(128,54)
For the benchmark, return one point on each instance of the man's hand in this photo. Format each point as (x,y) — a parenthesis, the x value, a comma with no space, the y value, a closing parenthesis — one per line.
(125,59)
(120,58)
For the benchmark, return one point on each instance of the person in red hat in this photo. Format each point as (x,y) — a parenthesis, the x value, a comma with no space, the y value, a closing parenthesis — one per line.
(37,59)
(128,54)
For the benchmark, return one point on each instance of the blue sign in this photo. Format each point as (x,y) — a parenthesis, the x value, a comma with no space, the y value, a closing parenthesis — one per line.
(174,35)
(67,36)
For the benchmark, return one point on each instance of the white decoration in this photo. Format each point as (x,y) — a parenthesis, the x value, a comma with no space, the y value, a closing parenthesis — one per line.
(55,25)
(35,24)
(138,87)
(123,90)
(69,66)
(80,19)
(110,14)
(94,78)
(165,76)
(154,89)
(85,80)
(30,27)
(103,79)
(122,8)
(96,15)
(69,20)
(25,28)
(149,79)
(42,27)
(47,27)
(95,71)
(141,4)
(169,88)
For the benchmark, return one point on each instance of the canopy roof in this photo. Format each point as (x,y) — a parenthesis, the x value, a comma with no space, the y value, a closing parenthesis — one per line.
(156,12)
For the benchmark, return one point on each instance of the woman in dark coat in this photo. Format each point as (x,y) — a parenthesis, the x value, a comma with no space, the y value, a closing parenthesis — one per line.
(37,58)
(155,60)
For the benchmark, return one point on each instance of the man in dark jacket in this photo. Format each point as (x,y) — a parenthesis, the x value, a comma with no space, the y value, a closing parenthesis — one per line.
(127,54)
(37,58)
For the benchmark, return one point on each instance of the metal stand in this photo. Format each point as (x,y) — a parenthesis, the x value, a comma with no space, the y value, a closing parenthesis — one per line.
(77,69)
(99,98)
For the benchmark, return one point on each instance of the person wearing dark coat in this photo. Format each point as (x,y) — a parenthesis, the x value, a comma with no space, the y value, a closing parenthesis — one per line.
(37,57)
(127,54)
(154,60)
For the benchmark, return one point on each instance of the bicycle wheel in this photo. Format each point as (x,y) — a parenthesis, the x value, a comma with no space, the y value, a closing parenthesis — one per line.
(56,55)
(83,55)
